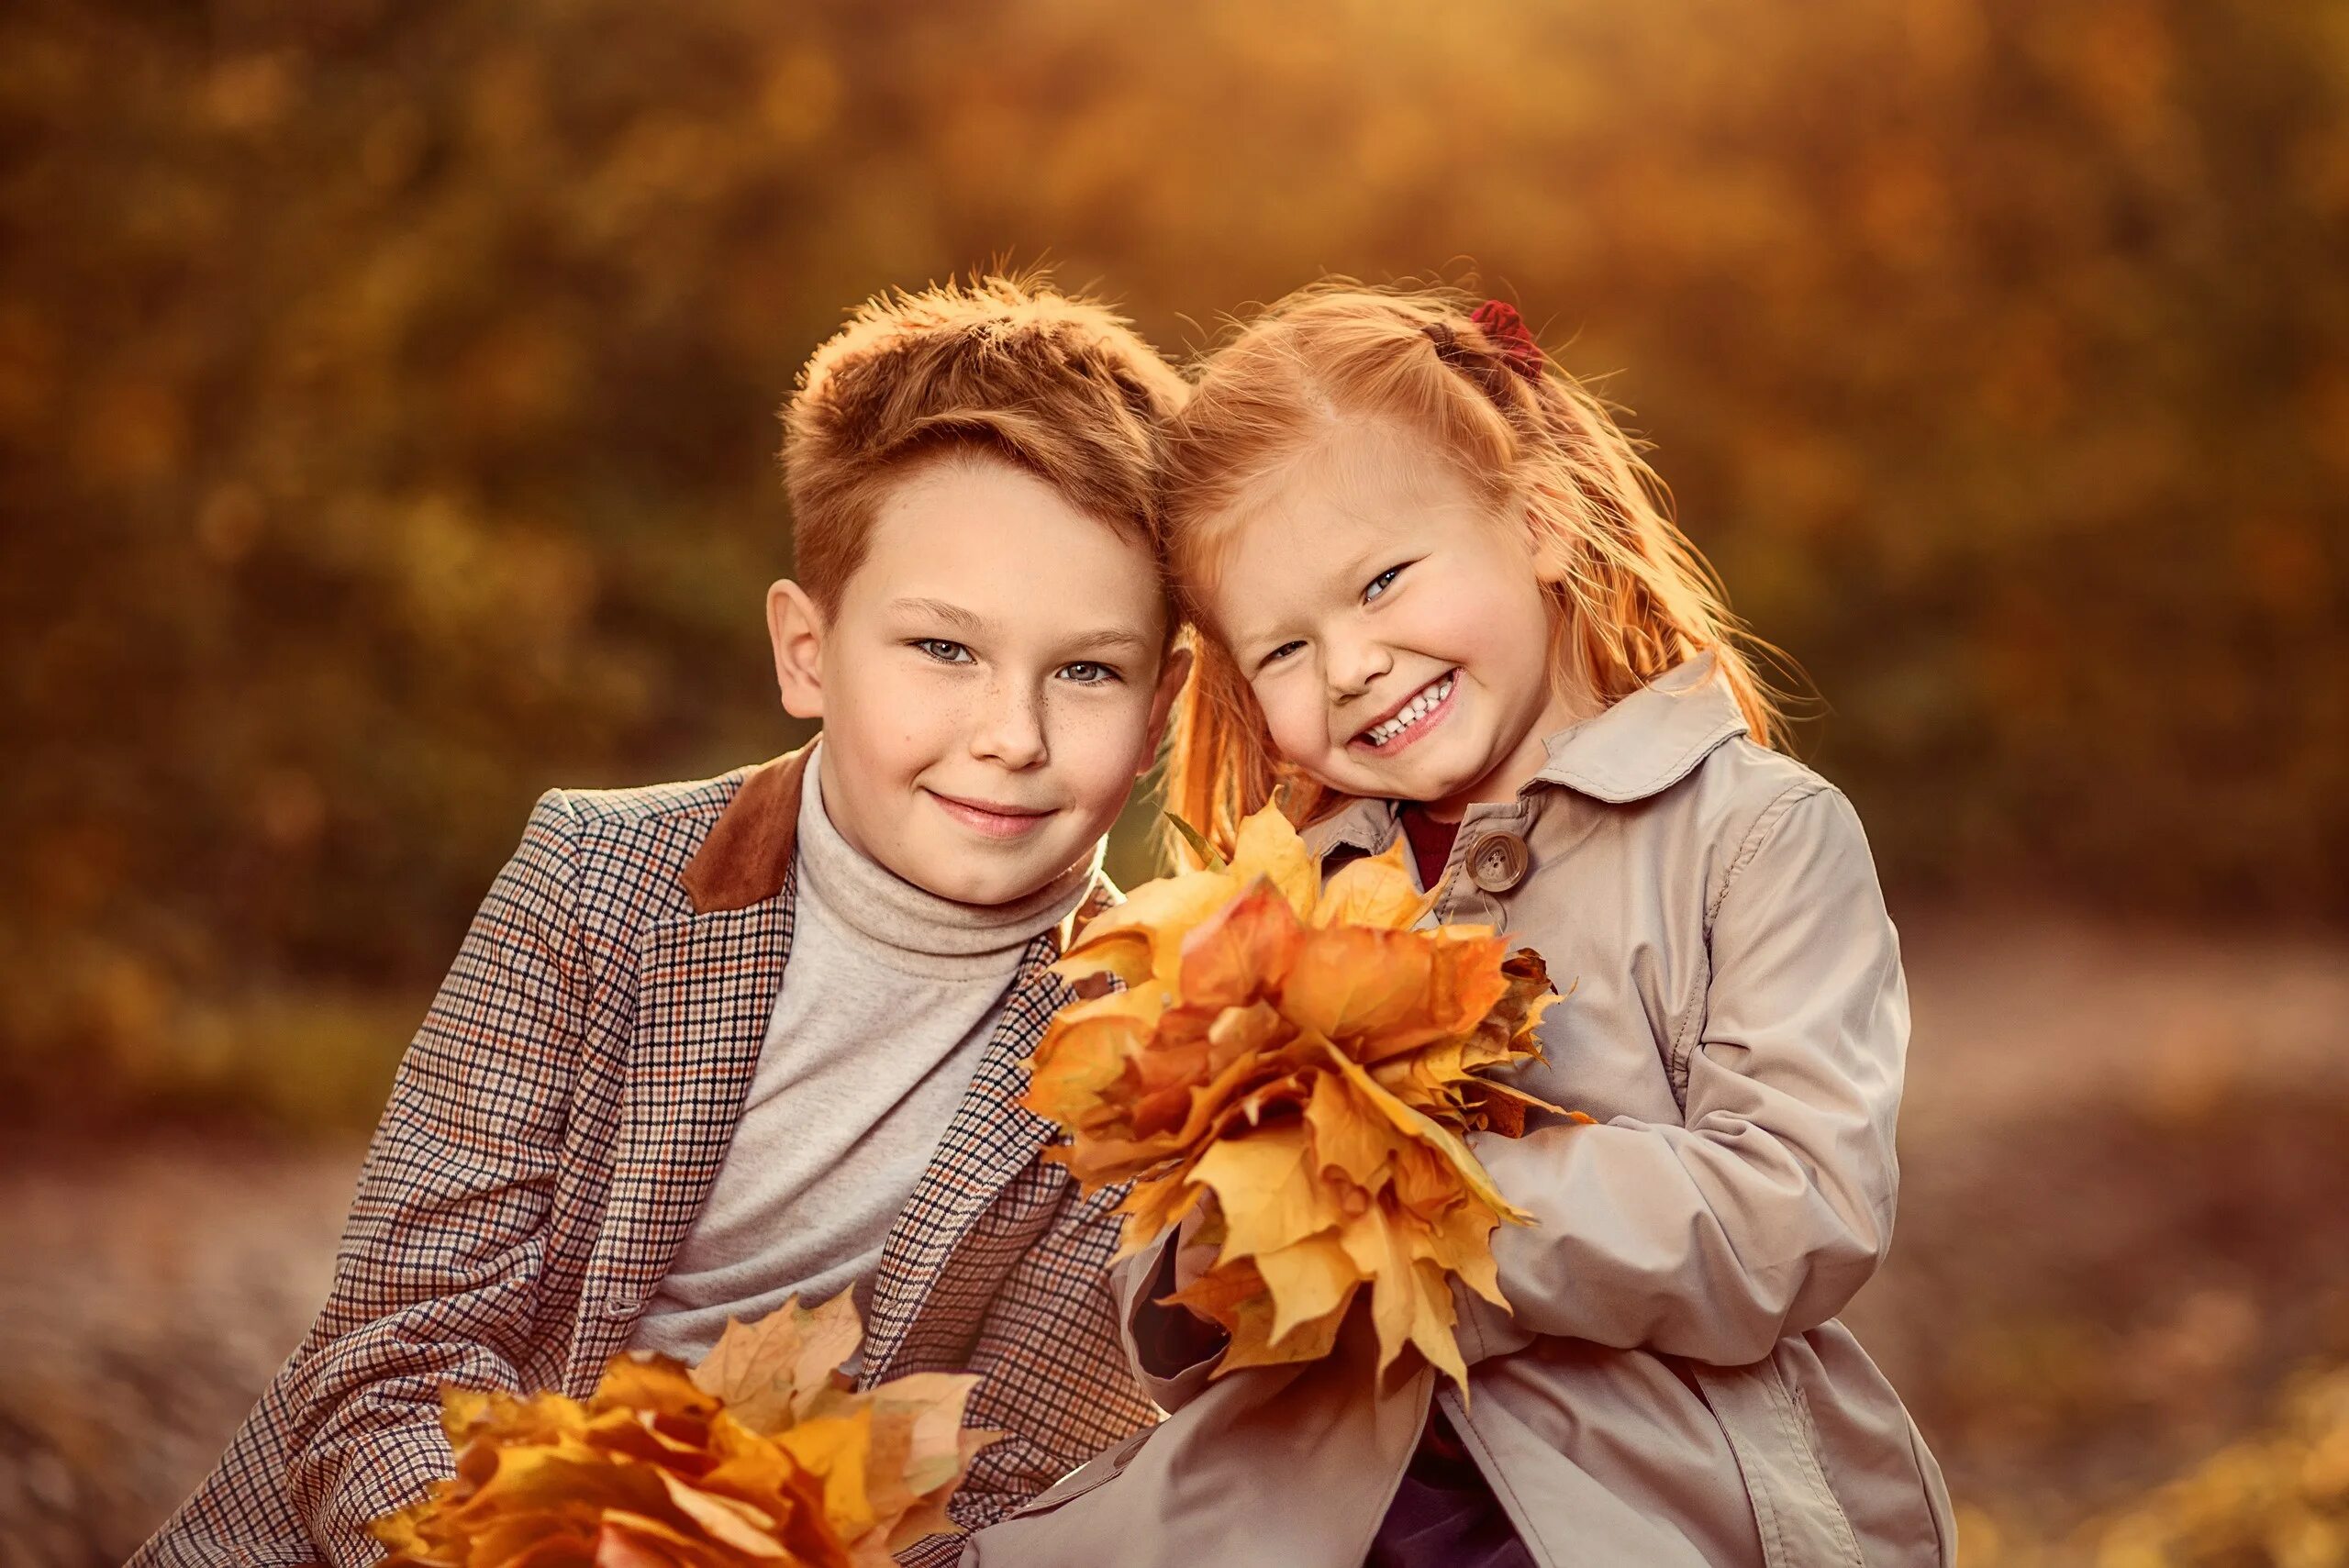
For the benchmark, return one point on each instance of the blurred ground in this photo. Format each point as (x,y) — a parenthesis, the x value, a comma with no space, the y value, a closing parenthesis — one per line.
(2119,1236)
(2121,1224)
(151,1289)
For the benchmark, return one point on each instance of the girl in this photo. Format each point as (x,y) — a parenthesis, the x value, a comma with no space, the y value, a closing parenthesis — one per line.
(1438,596)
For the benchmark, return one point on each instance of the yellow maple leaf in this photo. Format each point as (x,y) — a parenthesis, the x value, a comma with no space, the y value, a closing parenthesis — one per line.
(770,1371)
(833,1448)
(1312,1057)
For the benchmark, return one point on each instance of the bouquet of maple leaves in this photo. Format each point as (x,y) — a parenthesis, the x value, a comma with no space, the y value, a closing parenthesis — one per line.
(1304,1053)
(762,1454)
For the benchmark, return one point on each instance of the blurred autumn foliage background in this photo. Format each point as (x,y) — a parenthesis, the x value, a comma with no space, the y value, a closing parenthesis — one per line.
(386,420)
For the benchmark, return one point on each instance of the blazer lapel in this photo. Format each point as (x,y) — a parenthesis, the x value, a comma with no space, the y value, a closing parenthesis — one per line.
(990,1144)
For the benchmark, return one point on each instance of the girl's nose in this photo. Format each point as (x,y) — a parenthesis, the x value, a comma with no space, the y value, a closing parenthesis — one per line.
(1011,729)
(1353,666)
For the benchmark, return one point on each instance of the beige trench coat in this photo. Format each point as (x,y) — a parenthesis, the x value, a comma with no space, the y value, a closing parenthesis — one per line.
(1672,1387)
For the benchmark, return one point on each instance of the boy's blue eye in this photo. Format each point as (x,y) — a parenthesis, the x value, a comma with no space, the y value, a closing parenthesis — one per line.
(1086,673)
(1380,583)
(944,651)
(1283,652)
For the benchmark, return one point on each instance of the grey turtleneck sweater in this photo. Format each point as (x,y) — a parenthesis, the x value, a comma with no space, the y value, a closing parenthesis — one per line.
(889,997)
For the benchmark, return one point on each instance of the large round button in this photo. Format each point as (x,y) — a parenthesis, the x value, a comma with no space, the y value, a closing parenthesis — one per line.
(1497,861)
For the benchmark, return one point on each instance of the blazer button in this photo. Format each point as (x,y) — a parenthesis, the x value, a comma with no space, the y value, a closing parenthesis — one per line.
(618,1307)
(1497,862)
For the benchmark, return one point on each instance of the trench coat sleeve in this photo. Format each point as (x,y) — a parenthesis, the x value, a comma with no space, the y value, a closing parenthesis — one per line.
(1767,1208)
(436,1278)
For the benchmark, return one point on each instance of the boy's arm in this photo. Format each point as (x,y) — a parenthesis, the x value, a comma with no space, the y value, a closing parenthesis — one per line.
(436,1280)
(1064,1393)
(1767,1208)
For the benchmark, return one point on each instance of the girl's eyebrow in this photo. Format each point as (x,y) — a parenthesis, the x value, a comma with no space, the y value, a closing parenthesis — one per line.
(1262,640)
(1356,565)
(1251,639)
(954,616)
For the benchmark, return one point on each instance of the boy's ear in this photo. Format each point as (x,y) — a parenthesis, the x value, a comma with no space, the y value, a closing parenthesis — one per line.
(795,626)
(1162,703)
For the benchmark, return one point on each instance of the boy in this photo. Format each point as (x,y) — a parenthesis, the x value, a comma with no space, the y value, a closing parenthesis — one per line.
(626,1118)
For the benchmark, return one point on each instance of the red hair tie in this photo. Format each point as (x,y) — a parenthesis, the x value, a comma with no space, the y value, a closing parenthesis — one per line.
(1505,330)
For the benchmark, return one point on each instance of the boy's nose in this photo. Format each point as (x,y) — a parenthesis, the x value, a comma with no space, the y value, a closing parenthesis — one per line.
(1011,730)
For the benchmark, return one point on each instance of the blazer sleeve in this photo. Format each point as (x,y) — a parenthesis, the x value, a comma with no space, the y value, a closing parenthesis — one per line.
(1771,1203)
(435,1279)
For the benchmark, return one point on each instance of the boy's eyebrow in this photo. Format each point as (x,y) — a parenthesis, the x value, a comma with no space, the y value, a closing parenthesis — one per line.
(1106,640)
(954,616)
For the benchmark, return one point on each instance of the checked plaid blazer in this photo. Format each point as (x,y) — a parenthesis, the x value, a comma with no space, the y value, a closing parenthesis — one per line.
(551,1138)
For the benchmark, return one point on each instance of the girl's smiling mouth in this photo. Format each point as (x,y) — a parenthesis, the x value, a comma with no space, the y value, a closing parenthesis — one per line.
(1411,718)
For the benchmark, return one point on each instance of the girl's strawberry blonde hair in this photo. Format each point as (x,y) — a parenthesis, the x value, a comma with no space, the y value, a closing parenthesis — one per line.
(1630,596)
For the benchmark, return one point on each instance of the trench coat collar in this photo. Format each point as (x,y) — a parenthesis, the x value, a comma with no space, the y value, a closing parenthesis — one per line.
(1634,749)
(1649,741)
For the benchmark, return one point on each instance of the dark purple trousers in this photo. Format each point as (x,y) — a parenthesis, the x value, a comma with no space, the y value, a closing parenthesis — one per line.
(1445,1515)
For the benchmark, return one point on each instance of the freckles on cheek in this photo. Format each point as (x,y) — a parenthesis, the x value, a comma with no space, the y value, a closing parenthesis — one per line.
(1104,744)
(1082,736)
(928,726)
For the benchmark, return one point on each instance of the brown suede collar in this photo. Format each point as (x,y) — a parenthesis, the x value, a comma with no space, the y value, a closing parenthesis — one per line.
(747,856)
(747,853)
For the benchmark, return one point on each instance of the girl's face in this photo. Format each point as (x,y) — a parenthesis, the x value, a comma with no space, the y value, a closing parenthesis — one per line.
(1391,626)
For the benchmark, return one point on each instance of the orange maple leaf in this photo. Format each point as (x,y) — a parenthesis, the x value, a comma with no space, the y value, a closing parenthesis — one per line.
(1306,1054)
(762,1454)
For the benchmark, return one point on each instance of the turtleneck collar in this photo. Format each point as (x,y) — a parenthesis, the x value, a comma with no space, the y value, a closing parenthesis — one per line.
(911,928)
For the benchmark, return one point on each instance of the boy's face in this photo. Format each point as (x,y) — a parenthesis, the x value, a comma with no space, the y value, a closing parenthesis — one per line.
(991,684)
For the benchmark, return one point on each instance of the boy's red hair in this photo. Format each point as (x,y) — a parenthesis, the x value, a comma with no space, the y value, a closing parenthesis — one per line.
(1058,386)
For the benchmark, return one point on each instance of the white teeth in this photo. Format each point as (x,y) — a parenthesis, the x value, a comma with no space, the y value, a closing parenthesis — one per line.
(1413,711)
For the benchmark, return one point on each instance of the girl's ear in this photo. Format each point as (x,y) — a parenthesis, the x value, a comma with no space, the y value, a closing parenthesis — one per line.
(1530,508)
(1162,703)
(795,626)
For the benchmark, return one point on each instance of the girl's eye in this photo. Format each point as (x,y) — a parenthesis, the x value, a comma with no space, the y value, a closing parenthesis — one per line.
(1380,583)
(946,653)
(1086,673)
(1283,652)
